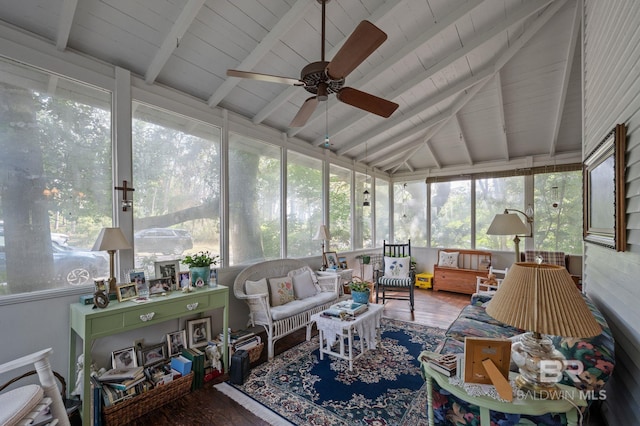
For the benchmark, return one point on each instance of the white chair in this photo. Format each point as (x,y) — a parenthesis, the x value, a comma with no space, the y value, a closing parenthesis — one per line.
(21,405)
(485,286)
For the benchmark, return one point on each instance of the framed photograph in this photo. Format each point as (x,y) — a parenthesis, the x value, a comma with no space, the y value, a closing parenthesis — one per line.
(138,277)
(477,349)
(100,285)
(342,262)
(152,355)
(168,269)
(331,259)
(184,279)
(158,286)
(176,341)
(127,291)
(124,358)
(604,192)
(199,332)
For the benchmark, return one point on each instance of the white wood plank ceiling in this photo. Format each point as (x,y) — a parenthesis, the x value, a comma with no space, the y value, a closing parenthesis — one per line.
(479,83)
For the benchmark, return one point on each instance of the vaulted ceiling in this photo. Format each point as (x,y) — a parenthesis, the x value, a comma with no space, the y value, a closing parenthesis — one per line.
(480,84)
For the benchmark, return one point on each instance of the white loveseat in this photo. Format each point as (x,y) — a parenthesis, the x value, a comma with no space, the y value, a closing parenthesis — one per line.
(265,289)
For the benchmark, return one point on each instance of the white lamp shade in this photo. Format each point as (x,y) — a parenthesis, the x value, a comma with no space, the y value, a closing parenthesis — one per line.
(322,234)
(111,239)
(507,224)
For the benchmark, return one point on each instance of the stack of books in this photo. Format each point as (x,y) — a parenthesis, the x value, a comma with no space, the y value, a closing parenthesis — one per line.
(197,358)
(444,364)
(351,307)
(122,383)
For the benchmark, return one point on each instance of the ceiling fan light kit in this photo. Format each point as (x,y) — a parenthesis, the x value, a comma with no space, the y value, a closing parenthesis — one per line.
(322,78)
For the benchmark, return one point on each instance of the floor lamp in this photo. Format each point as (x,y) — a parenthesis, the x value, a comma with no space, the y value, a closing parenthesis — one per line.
(510,224)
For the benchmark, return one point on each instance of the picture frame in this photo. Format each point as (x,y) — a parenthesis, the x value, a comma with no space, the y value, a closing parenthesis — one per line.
(330,259)
(604,192)
(138,277)
(159,286)
(168,269)
(477,349)
(342,262)
(199,332)
(124,358)
(127,291)
(176,341)
(152,355)
(184,279)
(100,284)
(213,277)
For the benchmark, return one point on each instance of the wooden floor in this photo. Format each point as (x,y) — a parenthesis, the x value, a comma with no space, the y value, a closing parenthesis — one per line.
(207,406)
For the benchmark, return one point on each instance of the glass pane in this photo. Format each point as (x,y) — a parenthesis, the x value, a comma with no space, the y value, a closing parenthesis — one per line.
(304,204)
(410,212)
(492,197)
(177,180)
(558,212)
(382,211)
(55,185)
(339,208)
(362,223)
(451,214)
(254,200)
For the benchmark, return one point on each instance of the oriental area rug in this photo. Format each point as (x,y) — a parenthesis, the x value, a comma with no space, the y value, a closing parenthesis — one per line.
(384,388)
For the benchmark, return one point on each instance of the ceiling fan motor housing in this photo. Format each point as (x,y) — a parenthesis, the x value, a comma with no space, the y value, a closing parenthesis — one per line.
(314,74)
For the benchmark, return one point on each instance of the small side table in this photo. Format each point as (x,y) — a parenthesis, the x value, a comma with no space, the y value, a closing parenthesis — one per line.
(345,276)
(527,405)
(366,325)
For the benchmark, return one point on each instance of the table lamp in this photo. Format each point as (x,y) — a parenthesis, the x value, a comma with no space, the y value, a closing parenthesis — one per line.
(543,300)
(110,240)
(322,235)
(510,224)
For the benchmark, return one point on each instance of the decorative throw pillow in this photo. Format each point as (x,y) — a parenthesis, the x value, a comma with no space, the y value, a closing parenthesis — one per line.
(256,287)
(303,286)
(397,267)
(448,259)
(302,271)
(281,290)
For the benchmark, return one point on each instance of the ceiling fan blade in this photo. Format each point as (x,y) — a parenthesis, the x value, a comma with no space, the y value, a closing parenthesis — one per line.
(265,77)
(305,112)
(366,101)
(364,40)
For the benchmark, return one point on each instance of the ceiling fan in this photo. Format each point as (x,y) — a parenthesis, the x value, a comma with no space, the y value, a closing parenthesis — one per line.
(323,78)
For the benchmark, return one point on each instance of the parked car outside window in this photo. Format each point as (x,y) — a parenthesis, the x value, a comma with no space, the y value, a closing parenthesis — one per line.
(163,240)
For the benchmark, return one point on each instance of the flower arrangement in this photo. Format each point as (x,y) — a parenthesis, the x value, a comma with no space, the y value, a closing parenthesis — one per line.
(200,259)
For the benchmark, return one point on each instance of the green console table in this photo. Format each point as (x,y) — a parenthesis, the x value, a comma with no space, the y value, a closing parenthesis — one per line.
(90,324)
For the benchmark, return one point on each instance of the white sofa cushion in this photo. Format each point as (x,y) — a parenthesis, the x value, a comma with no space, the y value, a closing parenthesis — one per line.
(303,286)
(281,290)
(297,306)
(256,287)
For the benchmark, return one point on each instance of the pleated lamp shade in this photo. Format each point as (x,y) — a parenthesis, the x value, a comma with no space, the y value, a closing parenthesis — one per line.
(543,298)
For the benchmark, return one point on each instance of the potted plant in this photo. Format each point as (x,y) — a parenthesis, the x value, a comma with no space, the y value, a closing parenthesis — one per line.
(200,267)
(360,290)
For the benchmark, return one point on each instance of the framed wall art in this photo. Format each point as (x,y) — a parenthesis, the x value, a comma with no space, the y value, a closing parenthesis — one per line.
(331,259)
(604,192)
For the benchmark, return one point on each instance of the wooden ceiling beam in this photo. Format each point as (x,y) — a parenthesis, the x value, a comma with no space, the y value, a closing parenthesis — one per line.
(171,41)
(502,124)
(288,20)
(571,50)
(64,24)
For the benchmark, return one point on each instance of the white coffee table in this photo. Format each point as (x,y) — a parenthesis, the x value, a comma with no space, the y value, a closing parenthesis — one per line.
(366,325)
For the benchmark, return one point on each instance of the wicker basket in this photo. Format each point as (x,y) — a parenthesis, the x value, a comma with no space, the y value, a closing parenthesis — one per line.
(129,410)
(254,352)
